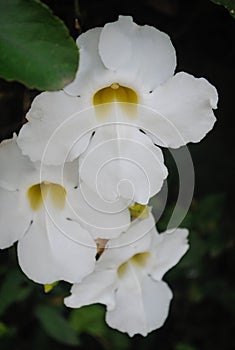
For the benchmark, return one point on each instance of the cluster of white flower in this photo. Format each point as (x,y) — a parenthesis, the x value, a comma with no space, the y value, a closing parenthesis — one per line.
(76,182)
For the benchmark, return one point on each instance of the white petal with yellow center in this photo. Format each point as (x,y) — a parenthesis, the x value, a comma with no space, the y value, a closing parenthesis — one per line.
(136,301)
(126,76)
(123,52)
(50,245)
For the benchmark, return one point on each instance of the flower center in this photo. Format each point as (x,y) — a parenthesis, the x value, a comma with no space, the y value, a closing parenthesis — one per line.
(115,86)
(138,261)
(115,93)
(36,195)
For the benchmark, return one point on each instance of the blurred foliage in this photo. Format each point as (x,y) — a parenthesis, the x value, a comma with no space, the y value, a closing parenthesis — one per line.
(202,313)
(55,325)
(229,4)
(35,46)
(90,319)
(13,290)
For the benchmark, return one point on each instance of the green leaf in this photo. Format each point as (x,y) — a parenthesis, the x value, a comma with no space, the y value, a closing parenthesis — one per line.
(184,346)
(56,326)
(3,329)
(209,211)
(229,4)
(13,290)
(91,320)
(35,46)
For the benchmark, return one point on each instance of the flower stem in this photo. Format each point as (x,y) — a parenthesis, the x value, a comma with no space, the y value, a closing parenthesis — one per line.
(77,15)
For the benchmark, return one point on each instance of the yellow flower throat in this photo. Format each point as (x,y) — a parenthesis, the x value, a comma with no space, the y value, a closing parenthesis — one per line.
(106,96)
(37,193)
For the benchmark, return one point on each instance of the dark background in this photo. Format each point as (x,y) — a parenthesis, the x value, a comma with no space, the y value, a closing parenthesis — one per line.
(202,314)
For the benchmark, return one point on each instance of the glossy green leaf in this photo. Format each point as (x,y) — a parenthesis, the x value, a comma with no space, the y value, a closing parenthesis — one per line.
(55,325)
(35,46)
(229,4)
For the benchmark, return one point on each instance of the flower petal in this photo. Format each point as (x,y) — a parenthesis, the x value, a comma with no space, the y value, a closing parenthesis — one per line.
(183,111)
(101,218)
(18,172)
(47,119)
(15,217)
(56,249)
(135,302)
(168,249)
(91,67)
(120,33)
(98,287)
(141,306)
(142,53)
(15,168)
(65,175)
(122,161)
(136,239)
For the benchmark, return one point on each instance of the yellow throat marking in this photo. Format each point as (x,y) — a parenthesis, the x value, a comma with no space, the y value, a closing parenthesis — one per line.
(139,260)
(104,98)
(37,193)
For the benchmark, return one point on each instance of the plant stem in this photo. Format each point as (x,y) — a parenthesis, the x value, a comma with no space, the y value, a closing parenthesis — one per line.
(77,15)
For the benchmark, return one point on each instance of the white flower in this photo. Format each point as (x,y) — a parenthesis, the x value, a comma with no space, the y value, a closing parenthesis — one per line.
(105,220)
(128,278)
(35,212)
(48,117)
(122,162)
(125,76)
